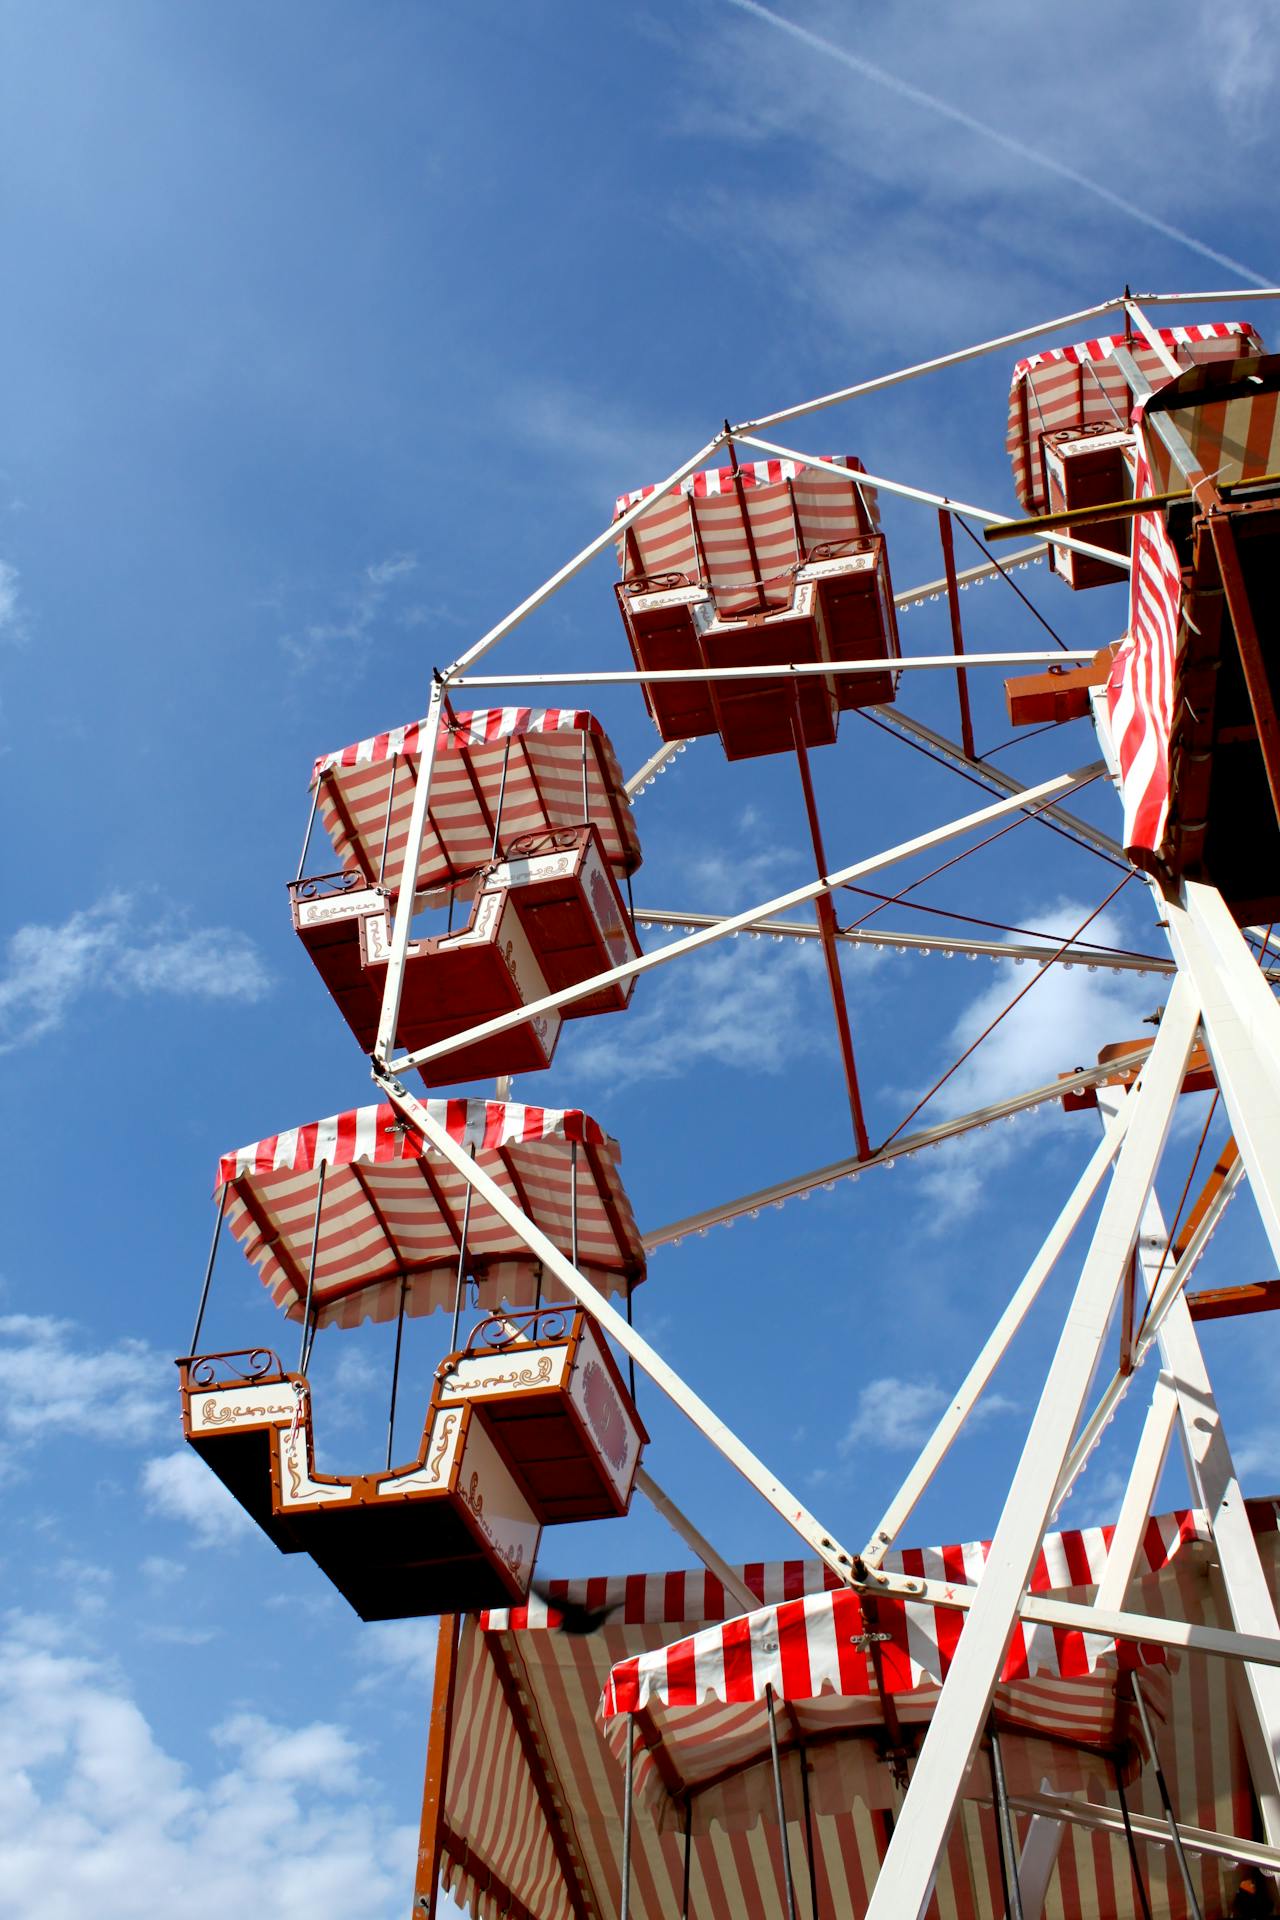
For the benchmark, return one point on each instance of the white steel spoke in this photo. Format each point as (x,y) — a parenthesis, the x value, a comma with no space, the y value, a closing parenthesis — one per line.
(939,1444)
(922,943)
(782,671)
(874,863)
(906,1143)
(922,494)
(910,1865)
(721,1436)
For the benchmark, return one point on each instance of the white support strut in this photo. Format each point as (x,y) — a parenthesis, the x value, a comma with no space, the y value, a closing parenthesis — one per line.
(906,1878)
(721,1436)
(811,890)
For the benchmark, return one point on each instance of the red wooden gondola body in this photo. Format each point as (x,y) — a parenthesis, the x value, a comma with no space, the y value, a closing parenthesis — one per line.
(508,839)
(550,1395)
(1089,467)
(434,1536)
(356,1217)
(763,565)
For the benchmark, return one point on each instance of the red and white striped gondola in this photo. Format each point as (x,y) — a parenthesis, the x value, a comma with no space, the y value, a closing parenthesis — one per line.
(1069,432)
(525,1802)
(530,829)
(356,1218)
(765,564)
(1194,689)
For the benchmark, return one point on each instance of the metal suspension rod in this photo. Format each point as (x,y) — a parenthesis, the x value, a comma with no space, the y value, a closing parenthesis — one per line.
(957,631)
(1166,1802)
(688,1852)
(788,1883)
(627,1797)
(306,838)
(502,794)
(462,1265)
(1134,1864)
(1006,1839)
(208,1272)
(827,925)
(386,825)
(586,798)
(395,1373)
(304,1350)
(810,1857)
(573,1201)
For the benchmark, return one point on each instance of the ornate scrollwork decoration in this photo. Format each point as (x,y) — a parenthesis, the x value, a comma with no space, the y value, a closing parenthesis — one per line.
(521,1326)
(233,1369)
(655,583)
(323,886)
(524,846)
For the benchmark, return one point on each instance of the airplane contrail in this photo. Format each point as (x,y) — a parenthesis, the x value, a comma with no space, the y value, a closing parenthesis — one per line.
(1031,155)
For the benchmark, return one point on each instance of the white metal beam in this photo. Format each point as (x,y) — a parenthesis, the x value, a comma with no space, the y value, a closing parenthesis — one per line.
(721,1436)
(921,943)
(811,890)
(781,671)
(851,1167)
(1139,1494)
(985,514)
(696,1541)
(906,1878)
(993,776)
(1216,1488)
(1102,1819)
(944,1435)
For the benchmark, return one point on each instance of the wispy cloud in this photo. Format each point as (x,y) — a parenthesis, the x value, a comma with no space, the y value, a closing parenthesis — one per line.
(1062,1023)
(742,1004)
(51,1383)
(13,624)
(179,1486)
(996,136)
(375,600)
(98,1815)
(893,1413)
(114,947)
(608,448)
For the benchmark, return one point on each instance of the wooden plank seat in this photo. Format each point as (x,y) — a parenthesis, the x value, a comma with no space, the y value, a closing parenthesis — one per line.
(529,831)
(449,1531)
(769,564)
(552,1399)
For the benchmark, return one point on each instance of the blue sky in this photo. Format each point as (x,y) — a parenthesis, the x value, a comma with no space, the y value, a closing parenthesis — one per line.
(328,332)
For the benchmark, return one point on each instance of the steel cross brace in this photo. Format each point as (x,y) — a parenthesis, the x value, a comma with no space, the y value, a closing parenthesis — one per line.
(903,1888)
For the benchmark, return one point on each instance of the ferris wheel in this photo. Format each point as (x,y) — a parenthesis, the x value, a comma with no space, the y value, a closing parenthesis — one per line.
(1056,1723)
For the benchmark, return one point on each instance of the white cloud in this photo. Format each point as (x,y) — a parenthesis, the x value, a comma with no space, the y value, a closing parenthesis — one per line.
(402,1651)
(895,1413)
(179,1486)
(609,450)
(48,1384)
(740,1004)
(1061,1023)
(112,947)
(12,624)
(98,1818)
(371,602)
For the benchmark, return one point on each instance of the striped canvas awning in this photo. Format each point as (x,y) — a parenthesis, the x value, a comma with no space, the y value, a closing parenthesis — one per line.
(1229,415)
(544,752)
(532,1798)
(392,1208)
(742,541)
(1080,386)
(1140,685)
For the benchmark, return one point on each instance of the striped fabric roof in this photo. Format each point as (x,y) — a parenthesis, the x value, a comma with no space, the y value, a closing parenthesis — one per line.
(1231,439)
(1140,686)
(704,530)
(548,750)
(392,1208)
(1080,386)
(533,1797)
